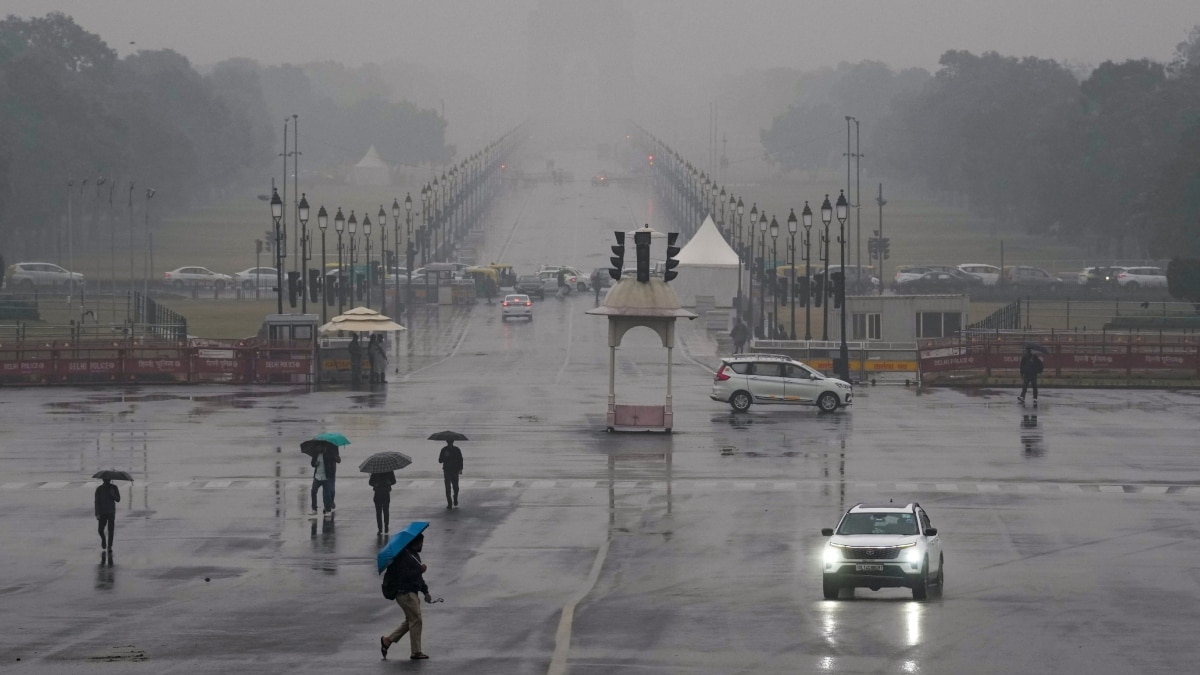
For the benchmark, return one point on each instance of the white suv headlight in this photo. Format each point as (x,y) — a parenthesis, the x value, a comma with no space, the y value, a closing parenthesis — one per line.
(912,555)
(832,555)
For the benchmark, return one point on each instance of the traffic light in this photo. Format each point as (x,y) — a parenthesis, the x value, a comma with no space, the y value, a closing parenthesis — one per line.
(886,247)
(818,290)
(802,291)
(669,272)
(268,241)
(838,288)
(873,248)
(618,257)
(293,287)
(641,245)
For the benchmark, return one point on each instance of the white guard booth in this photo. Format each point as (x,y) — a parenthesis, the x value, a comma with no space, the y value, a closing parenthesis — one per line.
(708,266)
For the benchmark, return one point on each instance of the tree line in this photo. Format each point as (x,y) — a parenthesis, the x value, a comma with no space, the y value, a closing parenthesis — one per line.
(81,127)
(1109,155)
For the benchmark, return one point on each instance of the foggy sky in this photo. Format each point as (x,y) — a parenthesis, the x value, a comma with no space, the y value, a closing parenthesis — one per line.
(693,36)
(689,44)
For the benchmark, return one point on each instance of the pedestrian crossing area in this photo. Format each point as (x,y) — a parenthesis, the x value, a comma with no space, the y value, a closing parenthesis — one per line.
(679,484)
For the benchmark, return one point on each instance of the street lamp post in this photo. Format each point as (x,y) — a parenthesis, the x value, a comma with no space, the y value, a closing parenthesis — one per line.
(724,227)
(410,255)
(774,277)
(762,271)
(305,255)
(750,266)
(806,219)
(352,230)
(322,223)
(791,225)
(843,210)
(276,214)
(149,243)
(367,237)
(741,208)
(826,218)
(396,255)
(339,224)
(381,222)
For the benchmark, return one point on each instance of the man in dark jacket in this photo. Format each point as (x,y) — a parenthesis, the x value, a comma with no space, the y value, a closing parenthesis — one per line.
(404,575)
(382,483)
(107,496)
(739,334)
(1031,367)
(451,460)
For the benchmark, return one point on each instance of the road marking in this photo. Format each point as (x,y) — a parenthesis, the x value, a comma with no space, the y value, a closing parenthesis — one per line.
(562,637)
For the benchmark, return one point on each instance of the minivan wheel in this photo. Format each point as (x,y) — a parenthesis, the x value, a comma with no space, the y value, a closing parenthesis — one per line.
(827,402)
(740,401)
(582,287)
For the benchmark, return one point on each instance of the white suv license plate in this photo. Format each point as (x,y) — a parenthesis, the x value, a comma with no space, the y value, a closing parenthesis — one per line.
(868,568)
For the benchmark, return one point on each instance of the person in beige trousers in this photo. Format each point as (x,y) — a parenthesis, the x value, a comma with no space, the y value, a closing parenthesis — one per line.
(404,575)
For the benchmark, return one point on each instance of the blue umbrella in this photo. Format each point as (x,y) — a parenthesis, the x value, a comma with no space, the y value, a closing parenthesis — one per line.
(398,542)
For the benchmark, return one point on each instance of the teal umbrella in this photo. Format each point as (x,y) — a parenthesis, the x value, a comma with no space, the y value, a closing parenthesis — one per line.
(333,437)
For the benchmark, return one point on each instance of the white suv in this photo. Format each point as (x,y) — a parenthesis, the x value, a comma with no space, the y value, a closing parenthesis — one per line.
(885,545)
(1142,277)
(744,379)
(42,275)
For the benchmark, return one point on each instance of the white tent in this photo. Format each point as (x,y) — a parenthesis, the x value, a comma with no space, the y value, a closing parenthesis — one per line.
(371,170)
(708,266)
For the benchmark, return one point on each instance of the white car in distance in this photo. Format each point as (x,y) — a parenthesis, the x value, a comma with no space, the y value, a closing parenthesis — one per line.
(990,274)
(516,305)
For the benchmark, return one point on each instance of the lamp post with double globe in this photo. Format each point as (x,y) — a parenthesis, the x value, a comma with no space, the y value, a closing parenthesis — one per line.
(305,254)
(276,215)
(750,266)
(322,223)
(826,218)
(791,225)
(367,238)
(806,220)
(843,211)
(352,230)
(339,225)
(774,278)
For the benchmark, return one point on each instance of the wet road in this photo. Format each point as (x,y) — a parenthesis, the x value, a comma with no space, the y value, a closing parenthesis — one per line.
(1069,537)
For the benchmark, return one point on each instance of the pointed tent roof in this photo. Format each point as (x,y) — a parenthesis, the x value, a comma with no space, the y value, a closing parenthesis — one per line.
(371,159)
(707,249)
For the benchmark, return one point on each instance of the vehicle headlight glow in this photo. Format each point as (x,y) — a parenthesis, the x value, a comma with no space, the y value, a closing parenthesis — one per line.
(912,555)
(832,555)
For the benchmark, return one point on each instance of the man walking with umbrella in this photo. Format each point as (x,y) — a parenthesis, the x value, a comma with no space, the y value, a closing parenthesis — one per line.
(323,448)
(382,466)
(404,579)
(107,496)
(1031,367)
(451,460)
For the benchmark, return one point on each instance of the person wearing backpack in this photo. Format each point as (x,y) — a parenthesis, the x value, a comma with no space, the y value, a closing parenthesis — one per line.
(402,581)
(1031,367)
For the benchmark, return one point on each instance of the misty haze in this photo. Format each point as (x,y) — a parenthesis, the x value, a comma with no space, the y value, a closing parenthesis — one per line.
(877,286)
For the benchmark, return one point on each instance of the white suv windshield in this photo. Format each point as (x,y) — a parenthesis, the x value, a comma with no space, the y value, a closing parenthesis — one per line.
(878,523)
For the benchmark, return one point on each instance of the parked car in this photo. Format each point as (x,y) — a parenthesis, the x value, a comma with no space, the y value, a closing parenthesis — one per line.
(859,280)
(516,305)
(30,275)
(1099,277)
(940,282)
(186,277)
(263,277)
(1133,278)
(530,284)
(746,379)
(1024,276)
(878,546)
(989,274)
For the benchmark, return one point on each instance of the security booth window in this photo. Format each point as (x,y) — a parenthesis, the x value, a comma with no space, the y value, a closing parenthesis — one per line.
(866,327)
(938,324)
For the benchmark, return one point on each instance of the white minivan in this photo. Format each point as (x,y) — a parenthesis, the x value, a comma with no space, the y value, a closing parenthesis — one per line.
(990,274)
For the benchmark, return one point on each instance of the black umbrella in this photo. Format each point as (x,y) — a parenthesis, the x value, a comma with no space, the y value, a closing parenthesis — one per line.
(313,447)
(113,474)
(381,462)
(1036,347)
(447,436)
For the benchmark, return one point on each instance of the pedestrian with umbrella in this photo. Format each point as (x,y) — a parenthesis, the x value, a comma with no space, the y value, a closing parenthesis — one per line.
(402,581)
(107,496)
(382,466)
(323,448)
(1031,367)
(451,460)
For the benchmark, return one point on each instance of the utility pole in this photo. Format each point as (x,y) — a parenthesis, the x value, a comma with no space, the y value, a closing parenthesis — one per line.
(858,205)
